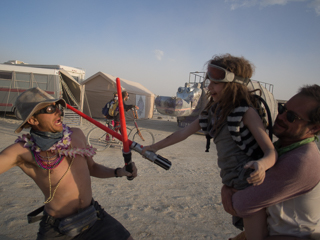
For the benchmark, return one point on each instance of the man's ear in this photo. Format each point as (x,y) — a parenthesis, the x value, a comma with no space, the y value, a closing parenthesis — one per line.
(315,128)
(33,121)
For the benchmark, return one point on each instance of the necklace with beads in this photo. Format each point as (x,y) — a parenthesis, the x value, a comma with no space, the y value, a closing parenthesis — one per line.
(62,149)
(46,163)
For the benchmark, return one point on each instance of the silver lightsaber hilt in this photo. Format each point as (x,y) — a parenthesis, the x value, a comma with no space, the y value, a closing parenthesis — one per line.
(151,156)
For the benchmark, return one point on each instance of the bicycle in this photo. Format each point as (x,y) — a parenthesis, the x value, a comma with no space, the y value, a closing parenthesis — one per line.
(101,140)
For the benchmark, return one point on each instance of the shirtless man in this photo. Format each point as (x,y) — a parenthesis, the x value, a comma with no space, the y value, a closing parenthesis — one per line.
(48,157)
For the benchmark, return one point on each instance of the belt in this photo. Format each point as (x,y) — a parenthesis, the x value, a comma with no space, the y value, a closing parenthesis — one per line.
(33,216)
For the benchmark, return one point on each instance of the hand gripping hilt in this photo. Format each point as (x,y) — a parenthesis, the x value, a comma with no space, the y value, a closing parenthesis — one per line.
(151,156)
(128,163)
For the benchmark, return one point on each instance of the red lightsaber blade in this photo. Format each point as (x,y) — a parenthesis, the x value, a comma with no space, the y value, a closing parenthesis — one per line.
(126,150)
(122,118)
(98,124)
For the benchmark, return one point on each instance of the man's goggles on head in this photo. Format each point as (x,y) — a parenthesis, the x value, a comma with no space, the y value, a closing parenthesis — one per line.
(219,74)
(291,116)
(48,109)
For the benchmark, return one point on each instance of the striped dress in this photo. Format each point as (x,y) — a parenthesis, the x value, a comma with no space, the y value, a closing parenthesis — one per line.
(239,132)
(235,146)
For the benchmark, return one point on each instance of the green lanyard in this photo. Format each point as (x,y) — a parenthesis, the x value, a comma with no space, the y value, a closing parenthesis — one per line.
(282,150)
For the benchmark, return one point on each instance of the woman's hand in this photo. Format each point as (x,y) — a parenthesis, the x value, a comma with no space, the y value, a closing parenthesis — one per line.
(150,148)
(257,177)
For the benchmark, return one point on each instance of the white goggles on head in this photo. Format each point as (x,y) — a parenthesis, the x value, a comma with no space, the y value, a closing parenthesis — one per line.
(219,74)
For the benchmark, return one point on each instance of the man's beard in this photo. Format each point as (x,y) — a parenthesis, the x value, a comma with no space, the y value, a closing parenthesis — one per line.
(284,133)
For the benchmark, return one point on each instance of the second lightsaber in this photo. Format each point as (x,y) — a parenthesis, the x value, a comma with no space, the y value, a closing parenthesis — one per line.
(126,150)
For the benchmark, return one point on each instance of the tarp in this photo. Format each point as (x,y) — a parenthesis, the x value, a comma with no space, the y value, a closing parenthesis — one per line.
(99,89)
(74,87)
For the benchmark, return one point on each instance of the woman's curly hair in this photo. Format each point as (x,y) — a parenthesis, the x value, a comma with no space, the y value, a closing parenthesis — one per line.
(233,93)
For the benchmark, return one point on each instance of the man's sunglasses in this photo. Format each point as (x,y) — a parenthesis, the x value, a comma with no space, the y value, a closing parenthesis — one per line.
(48,109)
(291,116)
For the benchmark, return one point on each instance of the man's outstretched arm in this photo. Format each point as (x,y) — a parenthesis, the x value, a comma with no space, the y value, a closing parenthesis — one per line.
(11,156)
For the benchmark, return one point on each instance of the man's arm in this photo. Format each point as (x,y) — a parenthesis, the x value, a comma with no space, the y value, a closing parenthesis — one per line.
(128,107)
(98,170)
(10,156)
(294,174)
(226,199)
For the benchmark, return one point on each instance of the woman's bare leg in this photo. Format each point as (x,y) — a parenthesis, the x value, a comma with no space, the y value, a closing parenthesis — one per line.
(256,226)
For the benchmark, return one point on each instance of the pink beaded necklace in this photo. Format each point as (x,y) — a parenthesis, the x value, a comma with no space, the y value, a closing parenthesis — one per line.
(47,164)
(61,148)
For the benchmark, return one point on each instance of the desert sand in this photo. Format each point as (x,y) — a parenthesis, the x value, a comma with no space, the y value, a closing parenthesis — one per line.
(181,203)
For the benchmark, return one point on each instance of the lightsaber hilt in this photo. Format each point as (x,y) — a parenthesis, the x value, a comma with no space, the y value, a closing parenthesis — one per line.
(128,163)
(151,156)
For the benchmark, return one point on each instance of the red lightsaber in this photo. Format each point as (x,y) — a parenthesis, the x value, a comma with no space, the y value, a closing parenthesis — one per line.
(126,150)
(122,119)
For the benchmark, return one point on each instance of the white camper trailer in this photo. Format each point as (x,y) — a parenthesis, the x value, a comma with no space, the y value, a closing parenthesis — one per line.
(77,73)
(15,79)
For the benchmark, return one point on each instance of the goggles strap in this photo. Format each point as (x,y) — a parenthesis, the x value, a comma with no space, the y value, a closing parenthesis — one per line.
(241,80)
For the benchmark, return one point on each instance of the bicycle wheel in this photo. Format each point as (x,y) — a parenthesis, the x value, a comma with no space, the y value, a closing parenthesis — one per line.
(97,138)
(147,136)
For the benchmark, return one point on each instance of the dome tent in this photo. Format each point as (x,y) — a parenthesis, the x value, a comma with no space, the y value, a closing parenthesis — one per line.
(99,89)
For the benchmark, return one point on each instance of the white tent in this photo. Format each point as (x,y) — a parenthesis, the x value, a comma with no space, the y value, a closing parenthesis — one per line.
(99,90)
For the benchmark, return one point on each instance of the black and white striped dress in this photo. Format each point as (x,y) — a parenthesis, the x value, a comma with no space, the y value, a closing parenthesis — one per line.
(239,132)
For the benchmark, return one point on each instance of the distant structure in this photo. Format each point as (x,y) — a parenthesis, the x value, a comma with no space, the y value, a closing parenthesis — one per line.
(191,99)
(281,101)
(78,74)
(99,89)
(57,80)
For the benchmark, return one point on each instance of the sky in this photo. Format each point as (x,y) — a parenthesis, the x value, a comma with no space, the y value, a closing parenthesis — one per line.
(157,43)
